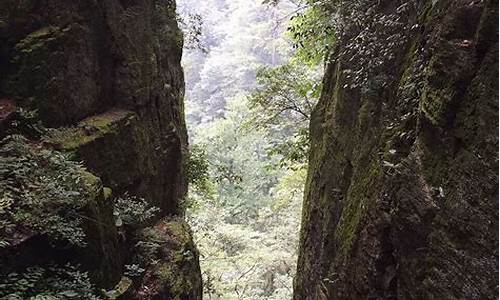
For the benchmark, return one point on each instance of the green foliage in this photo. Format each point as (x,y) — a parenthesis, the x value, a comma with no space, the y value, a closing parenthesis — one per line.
(42,191)
(312,31)
(283,104)
(285,92)
(24,122)
(238,162)
(252,259)
(249,105)
(240,36)
(50,283)
(133,270)
(197,170)
(293,151)
(133,211)
(248,232)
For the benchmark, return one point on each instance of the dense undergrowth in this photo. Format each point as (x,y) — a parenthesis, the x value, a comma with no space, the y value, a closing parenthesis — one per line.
(48,202)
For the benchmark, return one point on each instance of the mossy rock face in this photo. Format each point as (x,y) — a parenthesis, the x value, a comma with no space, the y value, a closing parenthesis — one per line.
(401,199)
(176,273)
(105,78)
(111,146)
(104,254)
(33,56)
(90,129)
(75,61)
(47,78)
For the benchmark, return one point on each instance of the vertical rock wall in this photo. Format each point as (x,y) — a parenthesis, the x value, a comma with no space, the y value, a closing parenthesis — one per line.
(105,77)
(110,62)
(401,199)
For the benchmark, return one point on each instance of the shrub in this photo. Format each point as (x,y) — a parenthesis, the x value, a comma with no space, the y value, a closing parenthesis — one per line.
(50,283)
(41,191)
(133,211)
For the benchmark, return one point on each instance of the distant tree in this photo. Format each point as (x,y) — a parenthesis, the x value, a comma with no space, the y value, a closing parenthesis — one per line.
(248,233)
(285,93)
(283,103)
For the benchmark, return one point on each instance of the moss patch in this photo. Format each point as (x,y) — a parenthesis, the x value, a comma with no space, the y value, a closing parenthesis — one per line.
(361,200)
(89,130)
(177,272)
(33,56)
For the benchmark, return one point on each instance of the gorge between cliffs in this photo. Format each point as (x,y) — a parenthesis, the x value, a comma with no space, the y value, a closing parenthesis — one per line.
(249,149)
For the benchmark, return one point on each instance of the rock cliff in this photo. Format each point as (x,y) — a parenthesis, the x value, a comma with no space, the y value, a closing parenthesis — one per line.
(401,199)
(98,82)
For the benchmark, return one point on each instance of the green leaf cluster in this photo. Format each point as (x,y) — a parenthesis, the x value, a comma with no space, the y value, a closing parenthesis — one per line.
(41,191)
(282,104)
(133,211)
(48,283)
(197,170)
(312,31)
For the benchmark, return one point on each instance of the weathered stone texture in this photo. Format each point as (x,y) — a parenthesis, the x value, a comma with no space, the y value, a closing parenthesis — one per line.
(72,60)
(401,199)
(105,77)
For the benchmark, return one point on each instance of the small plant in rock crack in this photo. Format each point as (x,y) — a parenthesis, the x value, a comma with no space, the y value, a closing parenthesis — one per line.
(133,211)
